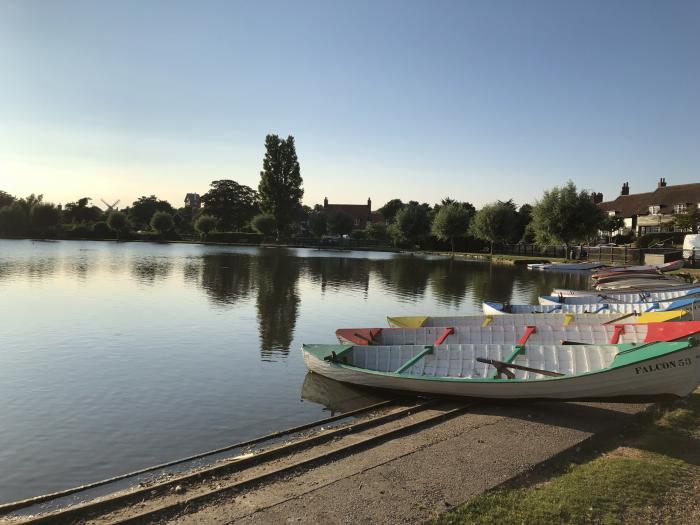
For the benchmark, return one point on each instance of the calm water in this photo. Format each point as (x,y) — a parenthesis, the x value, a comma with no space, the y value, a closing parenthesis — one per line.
(116,356)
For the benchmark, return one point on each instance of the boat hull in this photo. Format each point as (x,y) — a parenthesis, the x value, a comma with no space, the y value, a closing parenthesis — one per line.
(653,377)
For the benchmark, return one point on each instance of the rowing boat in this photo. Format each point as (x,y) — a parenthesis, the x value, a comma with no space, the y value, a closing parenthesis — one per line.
(515,372)
(629,297)
(641,284)
(565,266)
(554,319)
(537,333)
(691,305)
(670,287)
(614,277)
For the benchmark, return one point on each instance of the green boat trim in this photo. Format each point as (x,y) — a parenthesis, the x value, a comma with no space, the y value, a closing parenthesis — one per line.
(408,364)
(625,358)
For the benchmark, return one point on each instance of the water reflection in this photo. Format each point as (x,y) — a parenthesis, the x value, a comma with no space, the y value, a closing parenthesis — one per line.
(405,276)
(335,396)
(276,277)
(148,270)
(339,272)
(226,277)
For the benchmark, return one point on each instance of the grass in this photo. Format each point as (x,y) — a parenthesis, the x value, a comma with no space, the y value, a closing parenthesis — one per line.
(650,477)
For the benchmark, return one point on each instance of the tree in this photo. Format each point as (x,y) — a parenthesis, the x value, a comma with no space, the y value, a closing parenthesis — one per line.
(688,221)
(80,211)
(377,231)
(611,224)
(318,222)
(451,221)
(13,219)
(6,199)
(118,223)
(232,203)
(390,209)
(340,223)
(204,224)
(494,222)
(280,181)
(564,215)
(264,223)
(143,209)
(162,222)
(411,223)
(524,218)
(44,216)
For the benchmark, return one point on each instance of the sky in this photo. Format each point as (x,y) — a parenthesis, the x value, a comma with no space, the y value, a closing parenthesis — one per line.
(418,100)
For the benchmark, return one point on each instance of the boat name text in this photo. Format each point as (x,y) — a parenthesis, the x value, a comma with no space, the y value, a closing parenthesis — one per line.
(663,366)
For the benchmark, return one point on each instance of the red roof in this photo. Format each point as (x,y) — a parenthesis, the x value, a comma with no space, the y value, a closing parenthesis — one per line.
(666,197)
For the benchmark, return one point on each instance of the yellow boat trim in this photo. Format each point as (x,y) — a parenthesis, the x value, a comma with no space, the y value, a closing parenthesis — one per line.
(415,321)
(487,321)
(568,318)
(661,317)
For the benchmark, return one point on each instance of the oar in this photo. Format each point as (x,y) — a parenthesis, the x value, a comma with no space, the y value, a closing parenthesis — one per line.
(503,368)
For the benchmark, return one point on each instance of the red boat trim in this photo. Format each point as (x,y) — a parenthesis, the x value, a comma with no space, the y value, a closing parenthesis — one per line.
(447,333)
(528,332)
(658,332)
(619,330)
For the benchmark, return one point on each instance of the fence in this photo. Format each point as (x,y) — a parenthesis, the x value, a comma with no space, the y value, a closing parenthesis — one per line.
(612,254)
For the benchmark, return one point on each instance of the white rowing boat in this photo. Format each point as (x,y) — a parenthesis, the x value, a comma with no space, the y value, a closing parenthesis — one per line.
(629,297)
(690,305)
(565,266)
(515,372)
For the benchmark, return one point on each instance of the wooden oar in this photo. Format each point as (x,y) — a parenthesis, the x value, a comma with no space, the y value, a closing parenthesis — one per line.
(502,368)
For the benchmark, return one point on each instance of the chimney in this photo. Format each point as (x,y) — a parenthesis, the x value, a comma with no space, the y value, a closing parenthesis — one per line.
(625,189)
(597,197)
(369,204)
(662,182)
(325,202)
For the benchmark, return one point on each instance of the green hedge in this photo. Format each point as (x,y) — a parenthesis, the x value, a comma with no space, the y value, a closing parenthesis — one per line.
(235,237)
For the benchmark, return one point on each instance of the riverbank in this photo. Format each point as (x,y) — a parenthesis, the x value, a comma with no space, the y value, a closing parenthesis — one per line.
(652,475)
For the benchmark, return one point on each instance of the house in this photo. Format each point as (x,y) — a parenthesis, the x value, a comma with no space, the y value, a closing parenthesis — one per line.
(362,214)
(653,211)
(193,200)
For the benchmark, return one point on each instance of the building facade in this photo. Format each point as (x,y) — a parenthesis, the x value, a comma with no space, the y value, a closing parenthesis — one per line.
(362,214)
(654,211)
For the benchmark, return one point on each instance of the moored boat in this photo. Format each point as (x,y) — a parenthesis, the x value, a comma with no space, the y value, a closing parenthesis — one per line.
(555,319)
(642,284)
(548,332)
(691,305)
(664,286)
(629,297)
(565,266)
(515,372)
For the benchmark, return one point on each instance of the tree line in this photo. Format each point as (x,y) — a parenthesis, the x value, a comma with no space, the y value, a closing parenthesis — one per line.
(563,215)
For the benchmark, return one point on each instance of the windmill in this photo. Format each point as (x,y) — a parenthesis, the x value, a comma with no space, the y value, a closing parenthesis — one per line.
(110,207)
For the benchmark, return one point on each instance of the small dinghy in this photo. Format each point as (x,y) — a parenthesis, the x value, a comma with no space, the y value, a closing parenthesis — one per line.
(553,319)
(691,305)
(565,266)
(515,372)
(611,278)
(536,334)
(629,297)
(666,267)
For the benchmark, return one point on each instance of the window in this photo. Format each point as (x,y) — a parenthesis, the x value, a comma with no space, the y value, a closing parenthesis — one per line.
(680,208)
(611,213)
(655,209)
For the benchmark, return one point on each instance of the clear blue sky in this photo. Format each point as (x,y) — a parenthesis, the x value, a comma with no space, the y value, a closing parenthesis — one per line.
(417,100)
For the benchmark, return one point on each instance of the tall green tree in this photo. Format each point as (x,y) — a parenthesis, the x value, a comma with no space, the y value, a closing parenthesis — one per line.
(318,222)
(44,216)
(340,223)
(451,221)
(412,223)
(390,209)
(6,199)
(610,225)
(233,204)
(13,219)
(565,215)
(81,211)
(280,181)
(494,223)
(118,222)
(143,209)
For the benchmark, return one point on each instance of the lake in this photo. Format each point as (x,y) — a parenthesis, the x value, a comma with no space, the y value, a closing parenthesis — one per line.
(116,356)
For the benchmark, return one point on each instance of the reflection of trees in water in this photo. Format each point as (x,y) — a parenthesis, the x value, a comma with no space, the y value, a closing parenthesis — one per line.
(338,272)
(38,268)
(77,266)
(336,396)
(148,270)
(276,276)
(404,276)
(449,281)
(226,277)
(492,283)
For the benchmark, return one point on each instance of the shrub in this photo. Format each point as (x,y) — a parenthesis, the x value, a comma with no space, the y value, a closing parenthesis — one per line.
(264,223)
(205,224)
(13,219)
(100,230)
(118,223)
(162,222)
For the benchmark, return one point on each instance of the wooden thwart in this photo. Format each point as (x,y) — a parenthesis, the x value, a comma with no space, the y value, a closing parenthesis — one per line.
(502,368)
(408,364)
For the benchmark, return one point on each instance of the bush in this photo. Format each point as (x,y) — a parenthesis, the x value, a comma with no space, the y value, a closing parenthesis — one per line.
(13,220)
(235,237)
(118,222)
(100,230)
(44,216)
(162,222)
(80,231)
(264,223)
(205,224)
